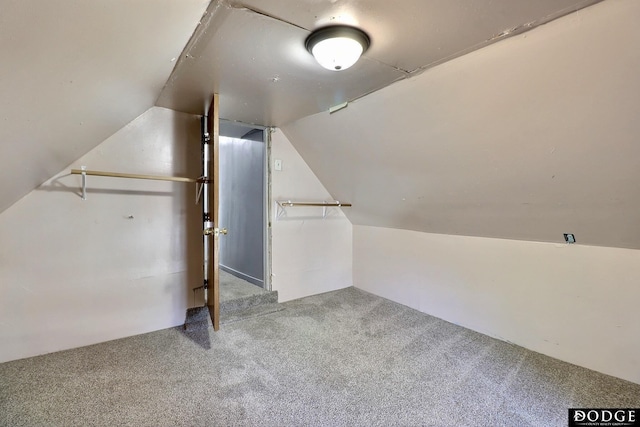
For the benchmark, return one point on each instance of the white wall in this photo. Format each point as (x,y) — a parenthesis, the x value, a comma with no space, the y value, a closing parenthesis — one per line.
(527,139)
(123,262)
(572,302)
(75,72)
(310,255)
(75,272)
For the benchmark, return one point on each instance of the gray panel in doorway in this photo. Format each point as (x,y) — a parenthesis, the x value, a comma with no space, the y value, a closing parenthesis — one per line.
(242,206)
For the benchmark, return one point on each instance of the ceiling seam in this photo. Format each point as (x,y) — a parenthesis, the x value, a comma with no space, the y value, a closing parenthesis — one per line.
(267,15)
(510,32)
(201,28)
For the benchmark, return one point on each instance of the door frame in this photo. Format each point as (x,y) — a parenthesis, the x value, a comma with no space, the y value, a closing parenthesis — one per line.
(267,208)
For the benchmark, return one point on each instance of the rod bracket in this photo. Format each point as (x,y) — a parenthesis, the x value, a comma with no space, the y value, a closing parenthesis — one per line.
(84,182)
(200,182)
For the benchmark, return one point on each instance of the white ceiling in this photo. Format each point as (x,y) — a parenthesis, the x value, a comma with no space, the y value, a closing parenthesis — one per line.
(252,51)
(74,72)
(527,139)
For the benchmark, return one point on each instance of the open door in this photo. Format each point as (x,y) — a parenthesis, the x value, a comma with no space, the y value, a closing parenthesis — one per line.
(212,269)
(211,232)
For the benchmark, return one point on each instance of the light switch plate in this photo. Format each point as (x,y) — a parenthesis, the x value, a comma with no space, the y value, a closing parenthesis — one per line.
(277,164)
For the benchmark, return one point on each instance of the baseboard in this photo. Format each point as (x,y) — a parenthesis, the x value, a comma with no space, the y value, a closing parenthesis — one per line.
(241,275)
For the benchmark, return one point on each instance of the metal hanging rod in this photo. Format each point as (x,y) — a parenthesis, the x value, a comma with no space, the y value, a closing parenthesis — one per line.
(84,172)
(134,176)
(289,203)
(282,204)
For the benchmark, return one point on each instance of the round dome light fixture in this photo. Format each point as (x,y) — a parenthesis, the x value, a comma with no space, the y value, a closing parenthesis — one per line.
(337,47)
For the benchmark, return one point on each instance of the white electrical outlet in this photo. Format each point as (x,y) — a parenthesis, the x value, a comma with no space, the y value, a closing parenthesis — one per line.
(277,164)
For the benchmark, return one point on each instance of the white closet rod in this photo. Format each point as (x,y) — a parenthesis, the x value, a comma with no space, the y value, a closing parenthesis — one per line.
(133,176)
(289,203)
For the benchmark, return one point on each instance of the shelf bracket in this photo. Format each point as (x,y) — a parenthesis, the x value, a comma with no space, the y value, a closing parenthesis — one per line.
(84,182)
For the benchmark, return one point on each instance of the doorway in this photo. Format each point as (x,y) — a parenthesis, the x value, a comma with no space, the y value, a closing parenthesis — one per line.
(243,211)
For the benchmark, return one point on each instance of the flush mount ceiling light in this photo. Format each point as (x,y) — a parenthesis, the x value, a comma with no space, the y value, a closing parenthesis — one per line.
(337,47)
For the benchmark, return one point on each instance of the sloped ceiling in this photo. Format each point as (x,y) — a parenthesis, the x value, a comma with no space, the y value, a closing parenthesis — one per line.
(529,138)
(74,72)
(252,51)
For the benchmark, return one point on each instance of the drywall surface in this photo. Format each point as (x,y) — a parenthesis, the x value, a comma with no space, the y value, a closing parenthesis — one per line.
(527,139)
(252,52)
(120,263)
(572,302)
(242,208)
(75,72)
(310,254)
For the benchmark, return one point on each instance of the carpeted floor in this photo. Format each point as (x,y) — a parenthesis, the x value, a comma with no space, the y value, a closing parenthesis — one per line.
(346,358)
(232,287)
